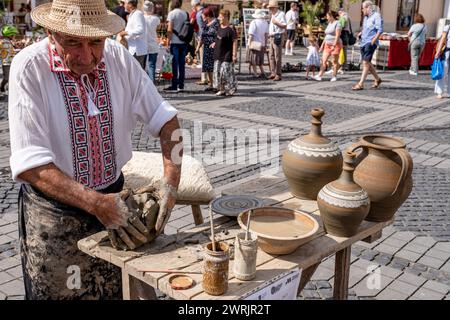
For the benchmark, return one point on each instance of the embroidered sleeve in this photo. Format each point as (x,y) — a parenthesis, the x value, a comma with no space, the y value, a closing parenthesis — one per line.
(30,139)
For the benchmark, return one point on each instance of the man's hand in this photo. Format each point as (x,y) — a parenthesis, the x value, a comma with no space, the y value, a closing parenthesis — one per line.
(112,211)
(167,195)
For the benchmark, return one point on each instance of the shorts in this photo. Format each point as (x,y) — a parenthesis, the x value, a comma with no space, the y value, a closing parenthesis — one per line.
(328,49)
(291,35)
(367,52)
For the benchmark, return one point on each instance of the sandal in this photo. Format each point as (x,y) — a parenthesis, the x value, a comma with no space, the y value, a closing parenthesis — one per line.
(358,87)
(376,84)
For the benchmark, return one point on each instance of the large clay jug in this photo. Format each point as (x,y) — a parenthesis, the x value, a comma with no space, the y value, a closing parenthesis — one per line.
(384,170)
(311,161)
(343,204)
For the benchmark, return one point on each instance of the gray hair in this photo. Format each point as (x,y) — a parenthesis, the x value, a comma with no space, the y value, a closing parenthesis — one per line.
(148,6)
(369,4)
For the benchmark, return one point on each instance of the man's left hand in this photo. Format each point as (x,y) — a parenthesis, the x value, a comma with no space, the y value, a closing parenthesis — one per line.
(167,195)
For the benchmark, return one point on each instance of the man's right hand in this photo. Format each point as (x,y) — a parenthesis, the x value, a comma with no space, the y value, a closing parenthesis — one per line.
(112,211)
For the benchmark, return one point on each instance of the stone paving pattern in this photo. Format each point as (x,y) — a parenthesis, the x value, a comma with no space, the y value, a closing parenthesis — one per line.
(412,257)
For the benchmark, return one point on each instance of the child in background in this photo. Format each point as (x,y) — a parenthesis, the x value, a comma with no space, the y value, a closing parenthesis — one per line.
(312,59)
(7,52)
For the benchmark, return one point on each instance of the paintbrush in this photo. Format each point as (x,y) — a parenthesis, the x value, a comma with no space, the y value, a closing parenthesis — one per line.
(212,229)
(248,225)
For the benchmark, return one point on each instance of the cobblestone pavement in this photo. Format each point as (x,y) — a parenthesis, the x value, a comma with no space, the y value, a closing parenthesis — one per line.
(412,257)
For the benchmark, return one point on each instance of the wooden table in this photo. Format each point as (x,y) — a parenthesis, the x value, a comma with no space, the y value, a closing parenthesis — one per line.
(181,252)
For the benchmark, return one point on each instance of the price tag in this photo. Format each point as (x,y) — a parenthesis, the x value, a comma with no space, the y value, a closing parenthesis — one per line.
(282,287)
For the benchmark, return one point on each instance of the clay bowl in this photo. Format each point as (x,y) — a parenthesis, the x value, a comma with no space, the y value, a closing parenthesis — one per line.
(279,230)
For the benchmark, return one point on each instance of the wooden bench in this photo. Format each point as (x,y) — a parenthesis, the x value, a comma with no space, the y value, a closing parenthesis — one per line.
(180,251)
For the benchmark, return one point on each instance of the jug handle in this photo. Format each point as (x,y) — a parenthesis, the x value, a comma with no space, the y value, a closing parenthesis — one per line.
(355,146)
(404,155)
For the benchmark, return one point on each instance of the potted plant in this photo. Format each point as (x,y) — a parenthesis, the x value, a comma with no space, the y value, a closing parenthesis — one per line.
(309,13)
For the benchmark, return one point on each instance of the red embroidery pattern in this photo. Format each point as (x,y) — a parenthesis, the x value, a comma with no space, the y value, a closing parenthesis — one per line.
(92,137)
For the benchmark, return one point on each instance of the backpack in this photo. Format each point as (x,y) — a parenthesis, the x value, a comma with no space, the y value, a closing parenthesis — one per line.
(186,32)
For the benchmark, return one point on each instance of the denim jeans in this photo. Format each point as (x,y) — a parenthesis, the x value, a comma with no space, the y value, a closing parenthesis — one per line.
(152,58)
(444,84)
(179,52)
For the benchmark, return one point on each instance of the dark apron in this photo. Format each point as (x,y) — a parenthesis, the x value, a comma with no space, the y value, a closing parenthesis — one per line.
(51,261)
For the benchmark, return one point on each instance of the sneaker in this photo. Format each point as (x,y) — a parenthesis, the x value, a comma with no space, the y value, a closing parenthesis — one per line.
(334,79)
(180,90)
(413,73)
(220,93)
(440,96)
(317,78)
(340,71)
(329,72)
(170,89)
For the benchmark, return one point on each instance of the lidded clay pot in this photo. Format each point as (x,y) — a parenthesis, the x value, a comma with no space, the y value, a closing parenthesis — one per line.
(311,161)
(343,204)
(384,169)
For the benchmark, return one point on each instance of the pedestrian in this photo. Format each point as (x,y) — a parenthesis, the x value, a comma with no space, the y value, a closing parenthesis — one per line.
(208,37)
(371,31)
(74,100)
(178,48)
(312,58)
(152,23)
(277,36)
(7,53)
(417,36)
(258,33)
(225,56)
(199,24)
(331,46)
(345,22)
(120,10)
(292,18)
(443,52)
(135,33)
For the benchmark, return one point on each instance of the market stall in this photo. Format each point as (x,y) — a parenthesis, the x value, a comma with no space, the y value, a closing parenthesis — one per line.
(393,53)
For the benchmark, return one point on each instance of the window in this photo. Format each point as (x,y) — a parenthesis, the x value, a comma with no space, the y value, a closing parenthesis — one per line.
(406,11)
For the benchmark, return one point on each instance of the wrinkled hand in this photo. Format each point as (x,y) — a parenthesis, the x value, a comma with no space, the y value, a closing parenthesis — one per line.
(112,211)
(134,233)
(167,196)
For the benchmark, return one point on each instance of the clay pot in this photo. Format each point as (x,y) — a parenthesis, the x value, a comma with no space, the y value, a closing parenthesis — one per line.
(343,204)
(384,170)
(311,161)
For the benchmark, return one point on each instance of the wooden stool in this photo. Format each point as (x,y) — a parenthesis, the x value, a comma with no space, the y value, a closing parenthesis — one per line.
(196,211)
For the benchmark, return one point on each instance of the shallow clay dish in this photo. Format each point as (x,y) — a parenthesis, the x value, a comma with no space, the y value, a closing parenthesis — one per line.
(181,282)
(279,230)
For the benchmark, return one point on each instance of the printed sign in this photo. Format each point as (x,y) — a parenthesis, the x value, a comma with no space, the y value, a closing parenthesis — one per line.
(282,287)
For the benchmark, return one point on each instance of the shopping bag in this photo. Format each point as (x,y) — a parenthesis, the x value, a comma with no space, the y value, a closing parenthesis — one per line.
(341,57)
(166,69)
(437,69)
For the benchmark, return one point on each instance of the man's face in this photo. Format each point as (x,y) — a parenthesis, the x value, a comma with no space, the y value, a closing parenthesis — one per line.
(128,6)
(365,10)
(81,55)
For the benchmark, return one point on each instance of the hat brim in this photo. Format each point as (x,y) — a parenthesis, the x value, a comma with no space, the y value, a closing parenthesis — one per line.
(107,26)
(256,16)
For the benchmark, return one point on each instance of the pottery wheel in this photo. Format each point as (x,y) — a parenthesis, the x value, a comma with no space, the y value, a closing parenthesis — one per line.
(233,205)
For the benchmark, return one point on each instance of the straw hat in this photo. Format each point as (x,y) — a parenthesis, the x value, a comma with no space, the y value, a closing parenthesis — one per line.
(273,4)
(259,14)
(80,18)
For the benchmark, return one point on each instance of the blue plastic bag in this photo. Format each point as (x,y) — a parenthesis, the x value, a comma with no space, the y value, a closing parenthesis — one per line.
(437,69)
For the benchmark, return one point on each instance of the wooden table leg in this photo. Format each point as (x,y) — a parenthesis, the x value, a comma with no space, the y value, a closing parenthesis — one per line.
(135,289)
(341,274)
(306,276)
(197,213)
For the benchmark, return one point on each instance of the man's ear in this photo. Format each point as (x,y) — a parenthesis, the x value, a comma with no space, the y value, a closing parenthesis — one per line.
(50,36)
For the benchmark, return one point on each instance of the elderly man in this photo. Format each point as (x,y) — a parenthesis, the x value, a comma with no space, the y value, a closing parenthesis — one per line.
(136,32)
(370,34)
(277,32)
(74,100)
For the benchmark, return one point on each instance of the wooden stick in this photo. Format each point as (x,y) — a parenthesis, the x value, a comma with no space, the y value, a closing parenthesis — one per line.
(212,229)
(170,271)
(248,225)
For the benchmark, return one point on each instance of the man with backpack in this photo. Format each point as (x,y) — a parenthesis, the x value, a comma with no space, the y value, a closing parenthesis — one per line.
(179,34)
